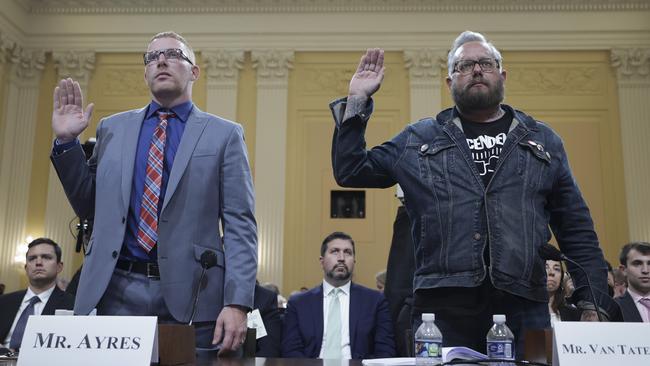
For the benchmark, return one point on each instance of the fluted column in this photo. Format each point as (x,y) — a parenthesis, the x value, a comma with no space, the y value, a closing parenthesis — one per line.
(424,67)
(270,157)
(20,111)
(633,75)
(222,70)
(79,66)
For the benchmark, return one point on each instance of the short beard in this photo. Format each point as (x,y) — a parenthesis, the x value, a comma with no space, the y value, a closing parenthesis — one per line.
(467,101)
(338,277)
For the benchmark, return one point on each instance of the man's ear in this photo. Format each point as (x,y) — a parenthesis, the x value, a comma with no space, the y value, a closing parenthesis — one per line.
(196,71)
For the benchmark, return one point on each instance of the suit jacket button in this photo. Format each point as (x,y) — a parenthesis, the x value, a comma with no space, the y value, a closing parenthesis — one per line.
(477,236)
(123,219)
(115,254)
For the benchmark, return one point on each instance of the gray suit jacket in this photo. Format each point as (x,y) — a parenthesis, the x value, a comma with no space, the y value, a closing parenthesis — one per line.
(210,182)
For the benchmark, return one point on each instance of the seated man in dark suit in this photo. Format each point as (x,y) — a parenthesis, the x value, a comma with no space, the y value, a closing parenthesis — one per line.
(266,301)
(635,264)
(42,296)
(338,319)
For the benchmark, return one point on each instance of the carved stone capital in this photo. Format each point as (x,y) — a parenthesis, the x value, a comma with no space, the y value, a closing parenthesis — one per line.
(424,65)
(632,65)
(272,65)
(7,45)
(222,66)
(26,66)
(77,64)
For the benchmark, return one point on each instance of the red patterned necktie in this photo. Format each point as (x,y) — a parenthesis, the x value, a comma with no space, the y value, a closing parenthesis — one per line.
(148,225)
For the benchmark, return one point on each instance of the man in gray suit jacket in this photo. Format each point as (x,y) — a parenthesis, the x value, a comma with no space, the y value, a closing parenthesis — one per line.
(159,183)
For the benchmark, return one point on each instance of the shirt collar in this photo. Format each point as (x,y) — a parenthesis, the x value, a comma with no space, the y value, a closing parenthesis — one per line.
(43,296)
(327,288)
(182,111)
(635,295)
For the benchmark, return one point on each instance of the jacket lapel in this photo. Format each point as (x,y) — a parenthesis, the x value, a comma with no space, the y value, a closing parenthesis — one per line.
(317,310)
(53,301)
(193,130)
(355,314)
(631,308)
(130,135)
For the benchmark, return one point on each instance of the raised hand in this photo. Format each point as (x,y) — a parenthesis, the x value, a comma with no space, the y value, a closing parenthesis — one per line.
(68,117)
(369,75)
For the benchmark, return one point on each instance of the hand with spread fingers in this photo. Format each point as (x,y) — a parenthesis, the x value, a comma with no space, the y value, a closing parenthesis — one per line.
(369,74)
(68,117)
(230,329)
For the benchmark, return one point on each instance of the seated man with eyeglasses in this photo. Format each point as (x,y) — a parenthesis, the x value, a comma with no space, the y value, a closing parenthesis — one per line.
(482,183)
(159,182)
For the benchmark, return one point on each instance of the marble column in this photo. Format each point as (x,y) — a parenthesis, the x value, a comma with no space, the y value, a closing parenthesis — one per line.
(425,66)
(78,65)
(632,66)
(222,70)
(20,112)
(272,68)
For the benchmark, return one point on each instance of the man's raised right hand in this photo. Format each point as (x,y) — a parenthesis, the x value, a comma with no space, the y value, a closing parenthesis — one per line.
(68,117)
(369,75)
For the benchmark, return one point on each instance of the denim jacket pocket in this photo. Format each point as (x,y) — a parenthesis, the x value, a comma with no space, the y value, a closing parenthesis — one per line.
(534,162)
(435,160)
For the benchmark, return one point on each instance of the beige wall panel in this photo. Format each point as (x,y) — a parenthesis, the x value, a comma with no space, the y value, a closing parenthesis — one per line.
(316,80)
(574,92)
(246,106)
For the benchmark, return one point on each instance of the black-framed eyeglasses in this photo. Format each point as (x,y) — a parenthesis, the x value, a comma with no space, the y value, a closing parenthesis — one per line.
(465,67)
(170,54)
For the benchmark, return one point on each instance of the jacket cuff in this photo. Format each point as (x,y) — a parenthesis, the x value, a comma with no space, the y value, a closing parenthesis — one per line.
(338,107)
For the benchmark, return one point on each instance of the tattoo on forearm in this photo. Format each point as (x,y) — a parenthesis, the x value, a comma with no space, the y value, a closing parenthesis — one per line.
(354,106)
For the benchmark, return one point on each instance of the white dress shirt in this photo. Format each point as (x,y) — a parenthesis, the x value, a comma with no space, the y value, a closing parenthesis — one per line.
(344,299)
(38,309)
(643,311)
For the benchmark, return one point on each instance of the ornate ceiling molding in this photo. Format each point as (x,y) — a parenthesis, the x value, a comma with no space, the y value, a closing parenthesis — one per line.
(300,6)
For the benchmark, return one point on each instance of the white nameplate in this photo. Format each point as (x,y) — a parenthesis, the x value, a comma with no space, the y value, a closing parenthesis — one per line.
(601,344)
(84,340)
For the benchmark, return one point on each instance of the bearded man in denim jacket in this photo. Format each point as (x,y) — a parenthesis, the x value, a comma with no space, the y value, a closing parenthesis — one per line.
(482,184)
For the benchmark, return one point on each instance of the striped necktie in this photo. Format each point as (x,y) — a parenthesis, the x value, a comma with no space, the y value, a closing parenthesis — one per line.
(148,224)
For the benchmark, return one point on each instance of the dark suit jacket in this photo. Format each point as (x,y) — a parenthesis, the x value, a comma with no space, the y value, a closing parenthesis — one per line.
(628,308)
(371,330)
(10,303)
(266,301)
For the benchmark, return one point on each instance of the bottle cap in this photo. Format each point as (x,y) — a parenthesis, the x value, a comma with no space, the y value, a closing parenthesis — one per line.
(428,317)
(499,318)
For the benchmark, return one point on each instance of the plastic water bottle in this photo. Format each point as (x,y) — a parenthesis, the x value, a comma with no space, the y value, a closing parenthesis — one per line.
(428,342)
(500,340)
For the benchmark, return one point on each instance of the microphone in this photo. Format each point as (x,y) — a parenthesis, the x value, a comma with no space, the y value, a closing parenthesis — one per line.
(208,260)
(549,252)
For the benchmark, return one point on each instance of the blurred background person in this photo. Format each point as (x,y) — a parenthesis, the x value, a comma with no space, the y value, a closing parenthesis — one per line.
(558,307)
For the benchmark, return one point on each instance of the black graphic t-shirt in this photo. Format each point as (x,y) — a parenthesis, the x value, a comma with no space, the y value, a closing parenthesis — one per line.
(485,140)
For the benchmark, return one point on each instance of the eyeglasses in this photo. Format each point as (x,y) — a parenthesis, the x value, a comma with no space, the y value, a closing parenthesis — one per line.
(170,54)
(465,67)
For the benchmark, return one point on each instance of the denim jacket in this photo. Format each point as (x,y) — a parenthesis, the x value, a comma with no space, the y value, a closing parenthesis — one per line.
(454,215)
